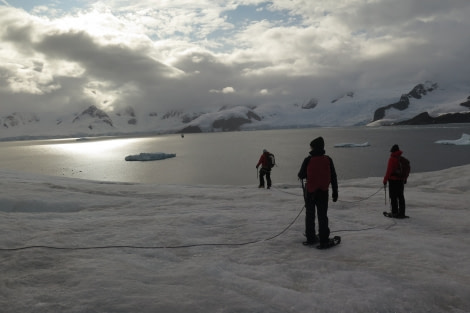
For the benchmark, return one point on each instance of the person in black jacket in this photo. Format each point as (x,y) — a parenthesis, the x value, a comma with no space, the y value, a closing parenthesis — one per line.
(320,173)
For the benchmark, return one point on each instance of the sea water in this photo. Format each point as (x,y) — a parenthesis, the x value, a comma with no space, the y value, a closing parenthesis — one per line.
(229,158)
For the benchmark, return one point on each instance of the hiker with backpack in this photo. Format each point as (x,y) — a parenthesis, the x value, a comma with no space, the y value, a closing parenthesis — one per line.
(320,173)
(267,162)
(398,169)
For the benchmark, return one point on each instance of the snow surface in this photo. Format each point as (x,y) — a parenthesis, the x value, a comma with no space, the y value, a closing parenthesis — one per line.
(128,247)
(463,141)
(143,156)
(351,145)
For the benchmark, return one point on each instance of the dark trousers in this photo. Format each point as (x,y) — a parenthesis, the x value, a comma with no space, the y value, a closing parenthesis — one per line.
(396,189)
(264,172)
(318,200)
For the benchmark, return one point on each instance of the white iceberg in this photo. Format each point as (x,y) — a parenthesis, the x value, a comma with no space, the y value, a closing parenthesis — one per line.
(150,156)
(463,141)
(351,145)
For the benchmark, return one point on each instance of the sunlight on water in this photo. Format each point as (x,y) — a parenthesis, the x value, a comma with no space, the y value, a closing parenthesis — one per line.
(96,148)
(230,158)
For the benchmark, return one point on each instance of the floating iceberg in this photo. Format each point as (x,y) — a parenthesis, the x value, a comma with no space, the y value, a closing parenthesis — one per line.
(463,141)
(150,156)
(351,145)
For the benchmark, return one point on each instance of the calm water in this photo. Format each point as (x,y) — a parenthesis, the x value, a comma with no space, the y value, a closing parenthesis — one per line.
(230,158)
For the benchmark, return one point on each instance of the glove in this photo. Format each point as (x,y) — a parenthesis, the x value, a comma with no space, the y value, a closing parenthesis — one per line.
(256,166)
(335,196)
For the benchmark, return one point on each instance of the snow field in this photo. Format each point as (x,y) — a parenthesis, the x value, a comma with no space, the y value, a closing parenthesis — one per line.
(180,248)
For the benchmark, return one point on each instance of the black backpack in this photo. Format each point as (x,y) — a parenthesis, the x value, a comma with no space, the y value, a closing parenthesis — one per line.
(403,170)
(271,160)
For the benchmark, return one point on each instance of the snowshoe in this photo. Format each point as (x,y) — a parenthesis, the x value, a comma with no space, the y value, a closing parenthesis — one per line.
(391,215)
(336,240)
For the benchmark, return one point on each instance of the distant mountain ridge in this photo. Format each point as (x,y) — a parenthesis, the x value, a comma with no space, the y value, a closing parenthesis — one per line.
(16,119)
(417,92)
(425,119)
(425,103)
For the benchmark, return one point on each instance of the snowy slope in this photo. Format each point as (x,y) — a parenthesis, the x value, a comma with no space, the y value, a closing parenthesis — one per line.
(121,247)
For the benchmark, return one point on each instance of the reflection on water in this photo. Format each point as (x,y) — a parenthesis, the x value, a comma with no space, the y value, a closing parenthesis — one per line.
(230,158)
(93,148)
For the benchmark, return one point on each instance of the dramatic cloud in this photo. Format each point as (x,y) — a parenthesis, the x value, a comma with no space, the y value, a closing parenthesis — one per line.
(200,54)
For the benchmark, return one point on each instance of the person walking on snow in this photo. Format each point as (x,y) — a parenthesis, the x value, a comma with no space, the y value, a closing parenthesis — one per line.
(265,169)
(396,184)
(320,172)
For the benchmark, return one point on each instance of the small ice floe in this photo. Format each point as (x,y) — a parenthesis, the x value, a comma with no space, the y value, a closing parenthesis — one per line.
(463,141)
(150,156)
(351,145)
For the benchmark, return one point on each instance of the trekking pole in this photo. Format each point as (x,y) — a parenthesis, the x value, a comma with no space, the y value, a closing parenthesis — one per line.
(385,189)
(303,190)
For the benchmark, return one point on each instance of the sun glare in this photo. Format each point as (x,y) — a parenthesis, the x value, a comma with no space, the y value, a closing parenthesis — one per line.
(83,146)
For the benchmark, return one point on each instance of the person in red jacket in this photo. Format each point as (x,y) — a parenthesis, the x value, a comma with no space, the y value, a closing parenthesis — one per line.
(396,184)
(265,169)
(320,172)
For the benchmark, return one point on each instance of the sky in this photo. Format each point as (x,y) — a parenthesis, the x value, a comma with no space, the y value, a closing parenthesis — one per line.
(63,56)
(135,247)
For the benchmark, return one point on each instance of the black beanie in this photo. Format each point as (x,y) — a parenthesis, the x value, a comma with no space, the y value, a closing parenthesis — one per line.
(394,148)
(317,144)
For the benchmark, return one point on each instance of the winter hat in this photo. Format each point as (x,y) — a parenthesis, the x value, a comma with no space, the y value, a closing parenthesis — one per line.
(264,150)
(317,144)
(394,148)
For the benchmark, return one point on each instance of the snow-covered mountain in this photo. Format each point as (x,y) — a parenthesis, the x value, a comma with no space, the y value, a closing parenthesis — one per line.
(424,103)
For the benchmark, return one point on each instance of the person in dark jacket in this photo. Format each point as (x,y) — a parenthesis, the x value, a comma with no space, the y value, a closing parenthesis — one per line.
(265,169)
(319,171)
(396,184)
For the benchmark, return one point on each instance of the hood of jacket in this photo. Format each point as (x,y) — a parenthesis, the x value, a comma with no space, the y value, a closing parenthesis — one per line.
(318,146)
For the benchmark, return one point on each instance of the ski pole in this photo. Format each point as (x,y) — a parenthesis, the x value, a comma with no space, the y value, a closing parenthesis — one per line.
(385,189)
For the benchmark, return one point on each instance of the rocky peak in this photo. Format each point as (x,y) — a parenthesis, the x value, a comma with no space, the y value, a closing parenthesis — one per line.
(466,103)
(422,89)
(97,116)
(312,103)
